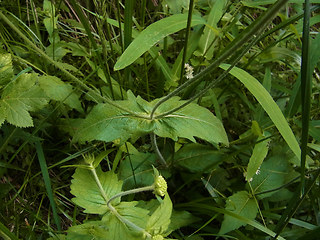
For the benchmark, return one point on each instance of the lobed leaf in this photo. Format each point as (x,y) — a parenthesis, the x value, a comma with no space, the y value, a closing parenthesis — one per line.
(118,230)
(6,71)
(241,204)
(87,193)
(19,98)
(90,230)
(60,91)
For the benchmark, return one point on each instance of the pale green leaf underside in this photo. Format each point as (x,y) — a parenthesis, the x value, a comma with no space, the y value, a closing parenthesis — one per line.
(90,230)
(107,123)
(153,34)
(119,230)
(87,193)
(241,204)
(160,219)
(206,40)
(60,91)
(259,153)
(268,104)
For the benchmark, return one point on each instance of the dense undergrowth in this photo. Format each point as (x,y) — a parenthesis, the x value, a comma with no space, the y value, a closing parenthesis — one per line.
(159,119)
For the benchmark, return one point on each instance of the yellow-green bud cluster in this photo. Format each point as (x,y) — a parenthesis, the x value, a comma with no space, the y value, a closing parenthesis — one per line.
(157,237)
(160,186)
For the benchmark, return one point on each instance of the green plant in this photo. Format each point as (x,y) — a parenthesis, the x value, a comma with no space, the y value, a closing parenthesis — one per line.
(196,89)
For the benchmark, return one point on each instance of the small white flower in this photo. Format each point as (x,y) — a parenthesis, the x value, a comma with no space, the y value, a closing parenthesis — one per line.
(189,71)
(258,171)
(250,180)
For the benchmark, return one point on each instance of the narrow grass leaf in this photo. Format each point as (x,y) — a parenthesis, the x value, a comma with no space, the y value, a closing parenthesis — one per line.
(6,233)
(268,104)
(210,32)
(152,34)
(47,182)
(305,90)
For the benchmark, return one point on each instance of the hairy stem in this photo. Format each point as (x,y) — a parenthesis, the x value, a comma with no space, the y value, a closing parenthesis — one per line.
(155,145)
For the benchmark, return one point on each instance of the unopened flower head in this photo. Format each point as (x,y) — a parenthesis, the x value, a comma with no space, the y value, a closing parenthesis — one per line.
(157,237)
(160,186)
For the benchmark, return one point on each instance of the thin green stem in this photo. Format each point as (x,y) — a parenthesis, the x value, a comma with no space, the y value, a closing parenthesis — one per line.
(96,178)
(132,191)
(155,145)
(191,3)
(121,218)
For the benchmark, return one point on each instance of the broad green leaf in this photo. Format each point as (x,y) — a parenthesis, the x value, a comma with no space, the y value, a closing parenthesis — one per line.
(180,219)
(137,171)
(90,230)
(57,51)
(160,219)
(6,71)
(259,153)
(268,104)
(60,91)
(273,174)
(189,122)
(20,97)
(87,193)
(131,212)
(211,32)
(107,123)
(118,230)
(197,158)
(153,34)
(242,204)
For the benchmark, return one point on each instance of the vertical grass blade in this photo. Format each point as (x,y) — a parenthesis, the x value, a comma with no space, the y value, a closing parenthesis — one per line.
(305,90)
(47,182)
(86,24)
(128,12)
(6,234)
